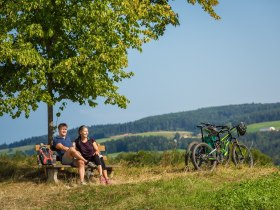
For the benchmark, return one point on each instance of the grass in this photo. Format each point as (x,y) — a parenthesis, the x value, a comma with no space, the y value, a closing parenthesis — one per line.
(179,190)
(153,187)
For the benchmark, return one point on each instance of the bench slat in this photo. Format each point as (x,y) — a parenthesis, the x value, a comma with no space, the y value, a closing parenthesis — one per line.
(101,147)
(37,146)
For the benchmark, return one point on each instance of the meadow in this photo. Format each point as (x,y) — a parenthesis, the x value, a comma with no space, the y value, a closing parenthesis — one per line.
(257,126)
(167,185)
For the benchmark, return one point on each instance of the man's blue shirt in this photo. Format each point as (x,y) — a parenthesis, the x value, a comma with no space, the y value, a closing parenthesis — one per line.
(64,141)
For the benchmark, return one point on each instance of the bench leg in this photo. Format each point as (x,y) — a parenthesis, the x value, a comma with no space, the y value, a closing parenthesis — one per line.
(52,175)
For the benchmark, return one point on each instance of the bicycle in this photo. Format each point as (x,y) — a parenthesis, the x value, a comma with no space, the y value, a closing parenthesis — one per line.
(191,145)
(218,145)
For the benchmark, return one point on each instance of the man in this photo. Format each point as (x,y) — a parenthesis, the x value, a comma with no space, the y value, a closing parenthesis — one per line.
(67,153)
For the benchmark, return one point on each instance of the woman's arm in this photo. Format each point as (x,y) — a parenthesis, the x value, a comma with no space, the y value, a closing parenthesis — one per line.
(95,147)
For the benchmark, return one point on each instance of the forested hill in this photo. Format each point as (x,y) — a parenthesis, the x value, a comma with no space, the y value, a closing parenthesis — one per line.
(186,121)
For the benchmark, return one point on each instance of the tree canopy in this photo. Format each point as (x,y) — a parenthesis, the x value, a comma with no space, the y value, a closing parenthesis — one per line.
(57,50)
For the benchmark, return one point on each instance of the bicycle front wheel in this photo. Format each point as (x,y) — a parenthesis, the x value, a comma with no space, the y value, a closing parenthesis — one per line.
(189,151)
(203,157)
(242,156)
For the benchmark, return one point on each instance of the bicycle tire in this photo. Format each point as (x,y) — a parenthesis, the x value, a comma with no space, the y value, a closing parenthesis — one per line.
(189,150)
(201,159)
(242,156)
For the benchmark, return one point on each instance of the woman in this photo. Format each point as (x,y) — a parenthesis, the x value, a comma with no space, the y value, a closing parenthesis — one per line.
(89,150)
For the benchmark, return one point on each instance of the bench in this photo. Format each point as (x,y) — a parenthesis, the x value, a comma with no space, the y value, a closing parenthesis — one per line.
(51,171)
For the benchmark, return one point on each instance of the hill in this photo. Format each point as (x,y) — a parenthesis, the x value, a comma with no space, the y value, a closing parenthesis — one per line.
(180,121)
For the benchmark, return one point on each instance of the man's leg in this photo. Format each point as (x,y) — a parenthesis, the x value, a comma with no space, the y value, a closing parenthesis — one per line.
(73,153)
(79,161)
(81,168)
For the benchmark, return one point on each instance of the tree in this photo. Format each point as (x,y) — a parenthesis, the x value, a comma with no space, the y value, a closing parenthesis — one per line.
(52,51)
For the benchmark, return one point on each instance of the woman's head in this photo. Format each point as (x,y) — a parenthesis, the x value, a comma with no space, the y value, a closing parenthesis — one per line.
(83,131)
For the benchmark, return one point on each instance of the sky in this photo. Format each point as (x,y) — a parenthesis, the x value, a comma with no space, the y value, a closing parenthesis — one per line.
(201,63)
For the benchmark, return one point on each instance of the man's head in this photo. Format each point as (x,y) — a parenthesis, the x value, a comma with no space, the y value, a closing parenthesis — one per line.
(62,129)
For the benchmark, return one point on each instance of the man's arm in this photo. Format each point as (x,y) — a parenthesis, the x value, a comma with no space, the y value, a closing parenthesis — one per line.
(60,146)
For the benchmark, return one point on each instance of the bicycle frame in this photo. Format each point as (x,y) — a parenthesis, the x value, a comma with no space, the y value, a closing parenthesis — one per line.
(222,143)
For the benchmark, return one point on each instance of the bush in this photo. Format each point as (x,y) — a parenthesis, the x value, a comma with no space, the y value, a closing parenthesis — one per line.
(260,158)
(140,158)
(17,166)
(172,158)
(144,158)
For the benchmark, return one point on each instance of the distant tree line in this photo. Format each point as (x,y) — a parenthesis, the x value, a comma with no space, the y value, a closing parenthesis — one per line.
(187,121)
(266,142)
(145,143)
(184,121)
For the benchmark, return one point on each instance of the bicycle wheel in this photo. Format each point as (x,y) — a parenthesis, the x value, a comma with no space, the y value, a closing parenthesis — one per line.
(188,154)
(203,157)
(242,156)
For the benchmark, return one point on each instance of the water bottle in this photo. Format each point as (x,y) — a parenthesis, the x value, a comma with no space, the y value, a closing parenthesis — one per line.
(54,159)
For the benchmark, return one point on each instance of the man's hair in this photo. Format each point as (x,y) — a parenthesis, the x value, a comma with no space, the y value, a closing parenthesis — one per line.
(62,125)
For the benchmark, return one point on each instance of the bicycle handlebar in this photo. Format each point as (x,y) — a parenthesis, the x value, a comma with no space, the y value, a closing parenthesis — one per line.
(222,128)
(202,125)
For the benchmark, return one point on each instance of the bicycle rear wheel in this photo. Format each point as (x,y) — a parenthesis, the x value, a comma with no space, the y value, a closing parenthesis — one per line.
(189,151)
(242,156)
(203,157)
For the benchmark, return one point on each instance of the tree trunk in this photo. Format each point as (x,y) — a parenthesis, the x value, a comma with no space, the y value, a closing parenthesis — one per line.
(50,124)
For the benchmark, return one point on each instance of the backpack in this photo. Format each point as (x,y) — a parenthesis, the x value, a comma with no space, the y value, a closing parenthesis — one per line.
(45,155)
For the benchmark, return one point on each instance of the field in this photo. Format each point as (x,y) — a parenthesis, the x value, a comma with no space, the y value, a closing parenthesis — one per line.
(12,151)
(257,126)
(167,134)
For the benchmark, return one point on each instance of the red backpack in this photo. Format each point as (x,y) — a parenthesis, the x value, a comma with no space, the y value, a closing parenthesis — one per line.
(45,155)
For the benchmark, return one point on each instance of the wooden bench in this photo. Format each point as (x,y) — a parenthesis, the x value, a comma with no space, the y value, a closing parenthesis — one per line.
(51,171)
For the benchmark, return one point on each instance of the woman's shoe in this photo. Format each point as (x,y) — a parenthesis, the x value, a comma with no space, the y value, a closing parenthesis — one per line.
(102,180)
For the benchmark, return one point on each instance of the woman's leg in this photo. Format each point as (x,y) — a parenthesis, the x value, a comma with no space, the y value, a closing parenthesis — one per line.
(96,160)
(104,169)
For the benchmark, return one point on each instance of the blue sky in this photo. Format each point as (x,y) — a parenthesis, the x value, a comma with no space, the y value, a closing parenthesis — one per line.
(201,63)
